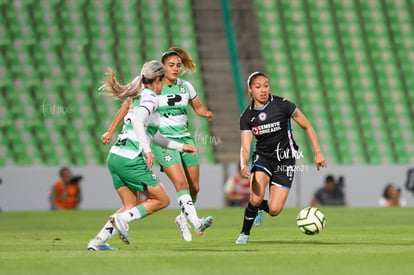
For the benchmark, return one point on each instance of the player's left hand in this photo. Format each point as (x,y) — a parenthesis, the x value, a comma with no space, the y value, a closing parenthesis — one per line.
(320,161)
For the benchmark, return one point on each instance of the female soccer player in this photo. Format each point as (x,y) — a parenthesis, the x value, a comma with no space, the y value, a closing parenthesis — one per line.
(130,158)
(267,118)
(181,168)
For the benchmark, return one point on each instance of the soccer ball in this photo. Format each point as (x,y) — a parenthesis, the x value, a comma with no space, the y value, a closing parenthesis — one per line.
(311,220)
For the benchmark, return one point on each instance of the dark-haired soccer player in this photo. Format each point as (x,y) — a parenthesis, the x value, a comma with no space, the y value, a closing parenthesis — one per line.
(267,118)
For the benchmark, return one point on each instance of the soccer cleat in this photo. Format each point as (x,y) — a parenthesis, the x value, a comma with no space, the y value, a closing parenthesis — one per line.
(205,223)
(184,228)
(121,226)
(259,218)
(94,245)
(242,239)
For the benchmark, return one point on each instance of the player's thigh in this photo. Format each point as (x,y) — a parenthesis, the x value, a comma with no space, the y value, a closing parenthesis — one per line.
(260,181)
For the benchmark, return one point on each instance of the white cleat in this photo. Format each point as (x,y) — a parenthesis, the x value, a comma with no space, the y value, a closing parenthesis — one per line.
(205,223)
(184,228)
(95,245)
(121,226)
(242,239)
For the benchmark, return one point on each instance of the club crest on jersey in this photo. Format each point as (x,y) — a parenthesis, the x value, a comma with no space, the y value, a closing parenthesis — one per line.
(262,116)
(167,157)
(182,90)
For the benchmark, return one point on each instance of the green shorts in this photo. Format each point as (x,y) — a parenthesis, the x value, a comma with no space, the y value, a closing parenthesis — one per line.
(167,157)
(133,173)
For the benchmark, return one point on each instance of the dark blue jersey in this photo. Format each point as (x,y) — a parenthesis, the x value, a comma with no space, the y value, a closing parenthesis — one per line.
(271,127)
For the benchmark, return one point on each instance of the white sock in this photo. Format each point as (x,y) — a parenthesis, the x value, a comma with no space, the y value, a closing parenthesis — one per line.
(135,213)
(107,231)
(187,207)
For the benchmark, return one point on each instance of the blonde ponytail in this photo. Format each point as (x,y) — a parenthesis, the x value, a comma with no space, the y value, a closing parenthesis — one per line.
(150,71)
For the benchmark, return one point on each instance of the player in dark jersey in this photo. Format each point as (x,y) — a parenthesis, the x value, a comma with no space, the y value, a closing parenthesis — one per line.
(267,118)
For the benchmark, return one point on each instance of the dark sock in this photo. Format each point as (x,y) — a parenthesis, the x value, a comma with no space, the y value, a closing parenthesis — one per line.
(249,214)
(264,206)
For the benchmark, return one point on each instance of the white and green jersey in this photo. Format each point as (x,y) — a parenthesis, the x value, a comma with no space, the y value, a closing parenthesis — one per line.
(173,103)
(127,144)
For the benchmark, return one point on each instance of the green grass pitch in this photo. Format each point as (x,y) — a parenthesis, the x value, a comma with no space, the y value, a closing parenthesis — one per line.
(355,241)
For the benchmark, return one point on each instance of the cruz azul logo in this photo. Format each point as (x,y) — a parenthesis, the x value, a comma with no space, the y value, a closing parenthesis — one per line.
(266,128)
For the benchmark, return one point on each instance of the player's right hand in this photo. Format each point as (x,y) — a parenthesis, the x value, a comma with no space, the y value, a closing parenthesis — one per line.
(244,171)
(189,148)
(149,159)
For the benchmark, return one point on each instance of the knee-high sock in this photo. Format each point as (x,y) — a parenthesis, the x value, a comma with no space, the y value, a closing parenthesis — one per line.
(249,214)
(107,231)
(264,206)
(187,207)
(135,213)
(183,216)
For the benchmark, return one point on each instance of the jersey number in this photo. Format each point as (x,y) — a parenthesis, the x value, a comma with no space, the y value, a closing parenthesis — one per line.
(120,142)
(122,138)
